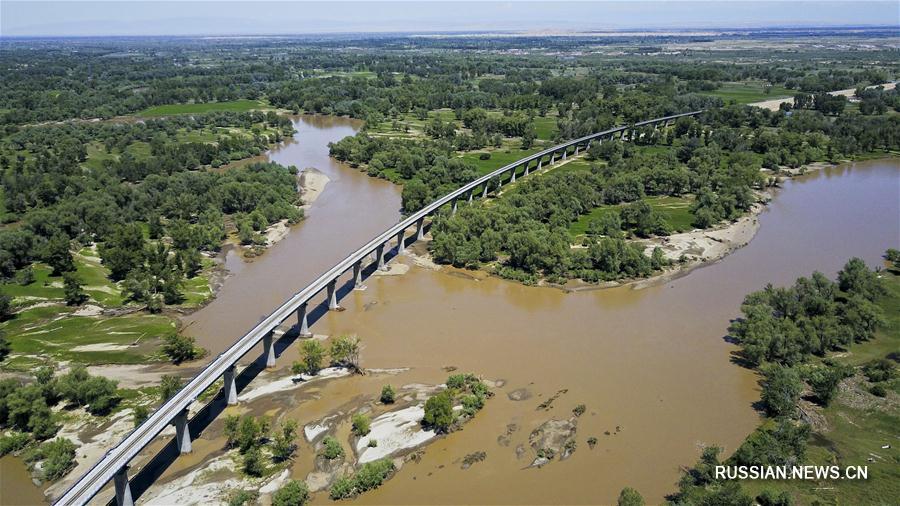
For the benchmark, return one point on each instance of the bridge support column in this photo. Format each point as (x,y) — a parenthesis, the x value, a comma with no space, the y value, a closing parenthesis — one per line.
(357,276)
(302,322)
(553,158)
(379,252)
(332,295)
(420,226)
(123,488)
(499,182)
(401,247)
(471,196)
(527,169)
(565,152)
(540,164)
(576,150)
(485,191)
(512,178)
(229,386)
(269,349)
(452,212)
(183,432)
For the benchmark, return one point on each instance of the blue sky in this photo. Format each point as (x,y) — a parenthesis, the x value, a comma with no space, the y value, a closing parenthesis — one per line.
(136,17)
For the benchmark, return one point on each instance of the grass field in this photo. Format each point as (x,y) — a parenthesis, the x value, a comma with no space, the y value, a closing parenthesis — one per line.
(54,333)
(748,92)
(675,210)
(173,109)
(499,157)
(858,425)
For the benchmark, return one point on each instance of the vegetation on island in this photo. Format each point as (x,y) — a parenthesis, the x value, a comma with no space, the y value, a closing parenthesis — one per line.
(826,351)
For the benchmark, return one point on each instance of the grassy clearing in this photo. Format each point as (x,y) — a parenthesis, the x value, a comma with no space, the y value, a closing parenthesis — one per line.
(55,333)
(858,425)
(173,109)
(499,157)
(748,92)
(545,128)
(675,210)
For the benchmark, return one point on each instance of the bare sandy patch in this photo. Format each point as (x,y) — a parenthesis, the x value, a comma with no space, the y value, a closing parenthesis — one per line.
(312,184)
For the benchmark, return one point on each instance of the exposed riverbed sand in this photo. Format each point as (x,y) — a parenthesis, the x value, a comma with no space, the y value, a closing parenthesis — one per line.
(312,184)
(775,103)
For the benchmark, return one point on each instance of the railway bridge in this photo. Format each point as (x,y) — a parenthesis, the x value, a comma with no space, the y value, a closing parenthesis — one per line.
(114,464)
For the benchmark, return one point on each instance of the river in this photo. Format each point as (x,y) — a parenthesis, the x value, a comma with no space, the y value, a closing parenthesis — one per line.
(652,365)
(352,209)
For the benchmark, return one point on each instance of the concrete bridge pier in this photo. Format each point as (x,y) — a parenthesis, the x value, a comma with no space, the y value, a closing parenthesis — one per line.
(553,158)
(269,349)
(379,252)
(357,276)
(182,432)
(452,212)
(332,295)
(499,182)
(401,247)
(123,488)
(229,386)
(540,164)
(470,197)
(527,169)
(565,152)
(512,179)
(576,150)
(420,225)
(302,322)
(485,191)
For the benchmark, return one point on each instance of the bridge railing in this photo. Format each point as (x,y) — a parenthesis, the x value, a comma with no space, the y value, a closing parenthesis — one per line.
(118,457)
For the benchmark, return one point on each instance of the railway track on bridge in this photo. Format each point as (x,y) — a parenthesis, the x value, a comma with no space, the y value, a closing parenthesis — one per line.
(114,464)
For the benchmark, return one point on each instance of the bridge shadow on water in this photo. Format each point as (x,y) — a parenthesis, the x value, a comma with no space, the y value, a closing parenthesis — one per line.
(152,470)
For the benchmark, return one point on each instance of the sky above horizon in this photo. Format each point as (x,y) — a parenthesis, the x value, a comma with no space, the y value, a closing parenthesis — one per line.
(207,17)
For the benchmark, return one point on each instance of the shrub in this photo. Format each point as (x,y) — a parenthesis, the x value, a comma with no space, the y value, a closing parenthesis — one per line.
(332,448)
(58,456)
(370,476)
(242,497)
(387,394)
(180,348)
(293,493)
(879,370)
(14,442)
(878,391)
(253,462)
(361,424)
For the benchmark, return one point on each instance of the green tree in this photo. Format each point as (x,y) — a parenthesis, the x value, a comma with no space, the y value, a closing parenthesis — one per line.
(253,462)
(781,390)
(180,348)
(630,497)
(313,355)
(285,441)
(293,493)
(856,279)
(141,413)
(72,288)
(6,311)
(439,412)
(345,352)
(169,385)
(58,255)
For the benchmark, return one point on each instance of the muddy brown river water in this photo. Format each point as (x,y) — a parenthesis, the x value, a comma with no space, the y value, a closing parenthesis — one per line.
(651,365)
